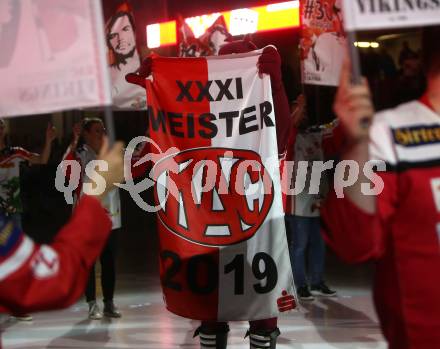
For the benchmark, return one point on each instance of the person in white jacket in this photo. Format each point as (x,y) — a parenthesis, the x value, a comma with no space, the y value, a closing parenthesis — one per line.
(93,132)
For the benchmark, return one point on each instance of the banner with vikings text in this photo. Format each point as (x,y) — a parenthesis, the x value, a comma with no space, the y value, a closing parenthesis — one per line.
(322,43)
(52,56)
(382,14)
(223,249)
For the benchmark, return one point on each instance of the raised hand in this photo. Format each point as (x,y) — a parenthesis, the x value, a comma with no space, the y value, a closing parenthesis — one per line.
(354,107)
(50,132)
(76,133)
(270,63)
(298,113)
(114,157)
(138,78)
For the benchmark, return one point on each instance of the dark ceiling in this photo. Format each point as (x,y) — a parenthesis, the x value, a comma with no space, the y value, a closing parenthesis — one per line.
(188,8)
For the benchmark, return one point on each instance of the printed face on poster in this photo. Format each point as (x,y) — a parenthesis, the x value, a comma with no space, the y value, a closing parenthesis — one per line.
(53,56)
(123,58)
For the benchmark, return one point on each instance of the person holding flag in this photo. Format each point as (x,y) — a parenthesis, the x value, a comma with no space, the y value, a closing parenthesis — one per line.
(400,227)
(263,333)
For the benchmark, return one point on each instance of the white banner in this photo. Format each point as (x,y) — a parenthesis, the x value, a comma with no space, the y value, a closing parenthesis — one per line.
(382,14)
(53,56)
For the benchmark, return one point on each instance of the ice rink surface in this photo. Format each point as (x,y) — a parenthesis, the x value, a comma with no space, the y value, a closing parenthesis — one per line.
(347,321)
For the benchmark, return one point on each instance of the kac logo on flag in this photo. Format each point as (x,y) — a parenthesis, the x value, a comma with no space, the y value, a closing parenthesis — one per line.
(219,196)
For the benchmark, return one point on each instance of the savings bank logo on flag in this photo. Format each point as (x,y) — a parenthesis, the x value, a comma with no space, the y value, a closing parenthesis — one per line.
(219,196)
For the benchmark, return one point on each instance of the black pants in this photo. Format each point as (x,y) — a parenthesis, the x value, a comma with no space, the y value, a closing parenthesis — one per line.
(108,272)
(267,325)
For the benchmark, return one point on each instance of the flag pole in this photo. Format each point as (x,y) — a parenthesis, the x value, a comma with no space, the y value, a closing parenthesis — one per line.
(109,124)
(356,72)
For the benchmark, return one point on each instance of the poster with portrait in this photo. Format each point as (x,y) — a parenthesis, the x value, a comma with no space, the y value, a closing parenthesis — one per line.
(323,42)
(52,56)
(123,58)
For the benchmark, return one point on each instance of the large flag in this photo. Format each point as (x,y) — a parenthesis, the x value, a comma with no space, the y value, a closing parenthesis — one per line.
(208,44)
(52,56)
(123,58)
(223,243)
(188,44)
(323,42)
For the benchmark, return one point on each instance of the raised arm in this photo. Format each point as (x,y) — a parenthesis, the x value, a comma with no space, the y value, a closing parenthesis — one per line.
(353,104)
(43,158)
(270,63)
(354,225)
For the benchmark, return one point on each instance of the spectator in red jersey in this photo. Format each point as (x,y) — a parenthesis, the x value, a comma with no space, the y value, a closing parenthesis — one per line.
(400,227)
(10,160)
(42,277)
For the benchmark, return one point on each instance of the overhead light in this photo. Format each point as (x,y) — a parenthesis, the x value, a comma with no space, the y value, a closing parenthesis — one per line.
(366,44)
(199,24)
(277,16)
(390,37)
(243,21)
(153,35)
(161,34)
(288,5)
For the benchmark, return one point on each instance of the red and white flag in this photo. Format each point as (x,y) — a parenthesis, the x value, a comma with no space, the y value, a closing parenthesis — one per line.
(223,243)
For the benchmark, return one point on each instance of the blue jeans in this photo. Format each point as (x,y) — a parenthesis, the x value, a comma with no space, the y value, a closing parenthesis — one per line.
(16,220)
(304,237)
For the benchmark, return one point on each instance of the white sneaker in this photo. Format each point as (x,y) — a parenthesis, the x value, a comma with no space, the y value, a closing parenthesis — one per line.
(94,311)
(23,317)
